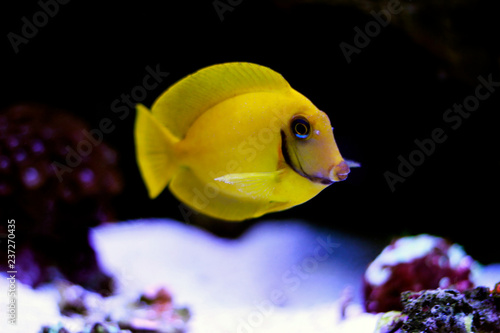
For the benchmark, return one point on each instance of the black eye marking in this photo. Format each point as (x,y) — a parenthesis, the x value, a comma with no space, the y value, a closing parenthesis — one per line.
(300,127)
(284,150)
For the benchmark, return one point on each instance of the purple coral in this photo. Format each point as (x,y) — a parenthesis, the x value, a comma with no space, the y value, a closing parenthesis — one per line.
(54,203)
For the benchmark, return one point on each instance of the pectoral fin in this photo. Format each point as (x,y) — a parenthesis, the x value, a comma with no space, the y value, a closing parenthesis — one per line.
(254,184)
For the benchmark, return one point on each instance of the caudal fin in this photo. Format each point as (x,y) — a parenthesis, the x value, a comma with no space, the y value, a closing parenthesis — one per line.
(154,151)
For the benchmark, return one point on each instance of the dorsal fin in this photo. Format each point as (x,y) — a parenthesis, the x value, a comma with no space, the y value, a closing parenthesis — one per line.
(180,105)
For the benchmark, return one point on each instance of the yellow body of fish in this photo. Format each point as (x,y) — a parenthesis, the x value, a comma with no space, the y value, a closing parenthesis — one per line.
(234,141)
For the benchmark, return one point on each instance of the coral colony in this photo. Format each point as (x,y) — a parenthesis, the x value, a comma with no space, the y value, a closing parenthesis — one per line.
(56,214)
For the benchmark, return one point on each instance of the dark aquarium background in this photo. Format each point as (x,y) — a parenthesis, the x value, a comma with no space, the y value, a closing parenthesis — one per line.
(412,89)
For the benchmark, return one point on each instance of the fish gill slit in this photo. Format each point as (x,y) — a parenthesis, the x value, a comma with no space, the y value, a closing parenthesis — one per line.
(288,160)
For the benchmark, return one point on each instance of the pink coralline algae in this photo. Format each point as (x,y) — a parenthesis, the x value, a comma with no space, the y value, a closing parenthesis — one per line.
(415,263)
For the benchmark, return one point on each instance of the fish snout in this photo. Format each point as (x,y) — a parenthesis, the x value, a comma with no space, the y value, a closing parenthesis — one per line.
(339,172)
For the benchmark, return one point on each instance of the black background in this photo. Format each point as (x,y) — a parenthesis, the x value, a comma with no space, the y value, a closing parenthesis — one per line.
(393,92)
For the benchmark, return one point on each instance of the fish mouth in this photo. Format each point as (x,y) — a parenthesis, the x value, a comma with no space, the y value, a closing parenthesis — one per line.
(334,174)
(339,172)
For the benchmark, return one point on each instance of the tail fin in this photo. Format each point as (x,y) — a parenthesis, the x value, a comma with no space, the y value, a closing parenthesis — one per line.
(154,151)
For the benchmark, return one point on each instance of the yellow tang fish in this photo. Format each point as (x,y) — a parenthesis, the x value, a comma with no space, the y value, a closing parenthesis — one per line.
(234,141)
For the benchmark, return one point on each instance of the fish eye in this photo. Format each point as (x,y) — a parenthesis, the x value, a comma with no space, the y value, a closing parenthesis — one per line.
(301,128)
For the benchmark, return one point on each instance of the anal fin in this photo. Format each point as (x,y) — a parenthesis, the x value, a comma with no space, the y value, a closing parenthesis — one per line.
(218,200)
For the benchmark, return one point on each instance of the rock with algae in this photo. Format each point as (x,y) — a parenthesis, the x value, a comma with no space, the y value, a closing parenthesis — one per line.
(445,310)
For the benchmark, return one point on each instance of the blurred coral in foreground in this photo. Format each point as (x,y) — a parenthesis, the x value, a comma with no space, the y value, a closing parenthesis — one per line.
(57,179)
(152,311)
